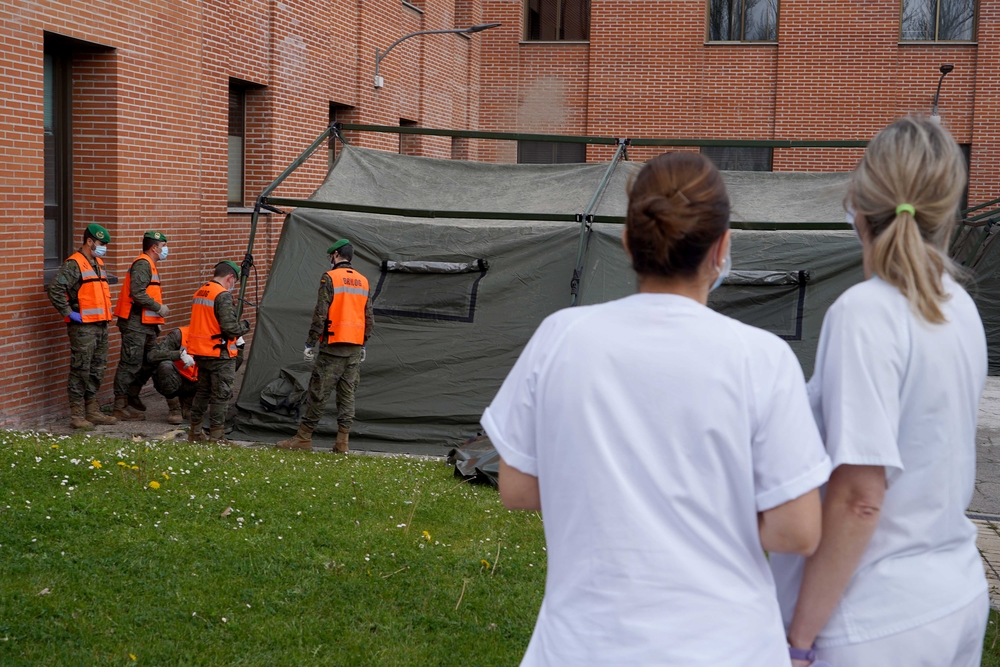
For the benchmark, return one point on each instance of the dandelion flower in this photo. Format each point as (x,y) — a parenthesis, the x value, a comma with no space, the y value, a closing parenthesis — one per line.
(154,485)
(135,467)
(485,562)
(123,464)
(427,536)
(132,656)
(55,447)
(166,476)
(95,463)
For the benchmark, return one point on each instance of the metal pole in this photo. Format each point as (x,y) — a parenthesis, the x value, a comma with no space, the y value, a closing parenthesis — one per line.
(586,221)
(262,203)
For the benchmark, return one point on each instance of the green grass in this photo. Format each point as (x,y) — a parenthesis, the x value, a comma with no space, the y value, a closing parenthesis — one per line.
(311,566)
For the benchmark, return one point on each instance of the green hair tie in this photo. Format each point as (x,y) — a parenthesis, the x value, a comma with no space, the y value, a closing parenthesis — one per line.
(906,207)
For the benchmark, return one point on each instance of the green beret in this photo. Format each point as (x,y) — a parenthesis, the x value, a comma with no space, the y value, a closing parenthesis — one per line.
(156,236)
(236,267)
(337,246)
(99,233)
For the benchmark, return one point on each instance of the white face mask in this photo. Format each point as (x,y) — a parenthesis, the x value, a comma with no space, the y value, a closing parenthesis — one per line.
(100,250)
(163,252)
(727,263)
(849,217)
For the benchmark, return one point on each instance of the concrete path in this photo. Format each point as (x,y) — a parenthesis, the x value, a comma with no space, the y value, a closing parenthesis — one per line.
(987,495)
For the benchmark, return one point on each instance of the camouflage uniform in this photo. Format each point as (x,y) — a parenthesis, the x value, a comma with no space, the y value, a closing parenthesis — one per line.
(337,365)
(166,378)
(88,343)
(137,338)
(217,374)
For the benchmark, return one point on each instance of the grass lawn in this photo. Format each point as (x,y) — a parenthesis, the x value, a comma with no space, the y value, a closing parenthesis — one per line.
(254,557)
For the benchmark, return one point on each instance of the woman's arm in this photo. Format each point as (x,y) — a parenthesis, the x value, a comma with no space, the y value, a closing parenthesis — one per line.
(518,491)
(794,527)
(851,511)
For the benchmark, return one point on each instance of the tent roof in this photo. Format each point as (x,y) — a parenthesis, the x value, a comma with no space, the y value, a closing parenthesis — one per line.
(379,178)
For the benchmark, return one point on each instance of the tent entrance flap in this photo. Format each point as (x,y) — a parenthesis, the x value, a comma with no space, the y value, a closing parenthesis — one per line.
(429,290)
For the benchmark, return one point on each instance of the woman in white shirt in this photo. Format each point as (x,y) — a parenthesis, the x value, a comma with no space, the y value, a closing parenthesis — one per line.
(667,446)
(897,579)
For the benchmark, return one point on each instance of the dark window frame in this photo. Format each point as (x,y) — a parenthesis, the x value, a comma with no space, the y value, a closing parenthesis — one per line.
(937,24)
(240,91)
(409,144)
(707,151)
(337,112)
(710,7)
(61,208)
(478,266)
(560,27)
(560,152)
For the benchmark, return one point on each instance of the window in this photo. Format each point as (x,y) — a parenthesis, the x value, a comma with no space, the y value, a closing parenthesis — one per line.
(938,20)
(557,20)
(429,290)
(967,154)
(237,142)
(743,20)
(550,152)
(58,191)
(409,144)
(739,158)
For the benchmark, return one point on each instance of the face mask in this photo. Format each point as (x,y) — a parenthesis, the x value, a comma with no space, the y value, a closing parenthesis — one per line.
(100,250)
(850,218)
(727,263)
(163,252)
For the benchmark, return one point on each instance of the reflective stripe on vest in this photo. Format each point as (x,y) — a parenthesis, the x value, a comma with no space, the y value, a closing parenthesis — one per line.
(94,295)
(205,338)
(124,308)
(190,374)
(345,321)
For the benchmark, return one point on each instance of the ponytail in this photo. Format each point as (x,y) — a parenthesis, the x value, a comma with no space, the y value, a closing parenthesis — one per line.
(902,258)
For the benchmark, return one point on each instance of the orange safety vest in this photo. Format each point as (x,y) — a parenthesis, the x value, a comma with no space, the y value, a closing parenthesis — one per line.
(186,373)
(94,294)
(153,290)
(345,321)
(205,335)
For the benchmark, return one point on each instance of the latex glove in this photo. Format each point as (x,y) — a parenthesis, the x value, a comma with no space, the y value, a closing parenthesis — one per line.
(163,311)
(240,342)
(186,358)
(75,317)
(364,353)
(309,354)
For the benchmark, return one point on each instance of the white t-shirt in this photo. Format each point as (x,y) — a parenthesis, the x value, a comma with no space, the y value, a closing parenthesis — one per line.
(892,390)
(658,429)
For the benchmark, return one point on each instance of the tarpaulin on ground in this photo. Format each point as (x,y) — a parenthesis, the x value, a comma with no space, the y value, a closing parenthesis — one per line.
(456,300)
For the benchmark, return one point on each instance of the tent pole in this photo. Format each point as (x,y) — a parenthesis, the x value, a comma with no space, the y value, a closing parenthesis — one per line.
(261,203)
(587,219)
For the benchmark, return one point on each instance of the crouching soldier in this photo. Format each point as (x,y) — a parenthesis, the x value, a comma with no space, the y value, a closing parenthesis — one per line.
(212,337)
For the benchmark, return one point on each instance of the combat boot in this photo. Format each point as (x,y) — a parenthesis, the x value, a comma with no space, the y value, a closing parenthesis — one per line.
(341,445)
(135,401)
(301,440)
(126,412)
(217,434)
(186,408)
(77,418)
(195,433)
(95,415)
(174,411)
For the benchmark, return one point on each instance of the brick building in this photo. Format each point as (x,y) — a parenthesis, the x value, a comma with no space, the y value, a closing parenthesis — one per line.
(174,114)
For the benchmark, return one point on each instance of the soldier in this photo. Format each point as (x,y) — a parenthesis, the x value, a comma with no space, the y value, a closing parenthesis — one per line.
(140,313)
(342,323)
(176,375)
(212,337)
(80,293)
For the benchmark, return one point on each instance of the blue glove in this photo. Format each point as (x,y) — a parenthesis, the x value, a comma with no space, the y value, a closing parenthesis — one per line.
(75,316)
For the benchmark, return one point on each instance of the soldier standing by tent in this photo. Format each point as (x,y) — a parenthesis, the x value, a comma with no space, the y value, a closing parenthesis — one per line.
(342,323)
(213,335)
(80,293)
(140,313)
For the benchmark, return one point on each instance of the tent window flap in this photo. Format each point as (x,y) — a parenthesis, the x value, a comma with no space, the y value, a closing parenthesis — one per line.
(429,290)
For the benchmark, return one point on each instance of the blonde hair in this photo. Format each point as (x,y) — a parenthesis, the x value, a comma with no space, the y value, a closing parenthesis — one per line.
(913,161)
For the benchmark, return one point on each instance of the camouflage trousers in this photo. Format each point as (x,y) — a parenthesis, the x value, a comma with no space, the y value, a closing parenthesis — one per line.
(215,388)
(171,384)
(88,346)
(133,371)
(332,372)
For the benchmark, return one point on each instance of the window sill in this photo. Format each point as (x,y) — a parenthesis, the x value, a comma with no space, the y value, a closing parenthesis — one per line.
(930,42)
(525,42)
(720,42)
(413,7)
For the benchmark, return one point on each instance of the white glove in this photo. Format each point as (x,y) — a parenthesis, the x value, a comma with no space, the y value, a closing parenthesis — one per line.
(186,358)
(163,311)
(364,353)
(309,354)
(240,342)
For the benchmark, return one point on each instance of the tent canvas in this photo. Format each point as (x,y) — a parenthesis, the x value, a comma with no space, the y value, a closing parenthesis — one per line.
(456,300)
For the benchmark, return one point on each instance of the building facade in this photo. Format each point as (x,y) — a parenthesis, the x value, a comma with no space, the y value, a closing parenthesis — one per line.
(174,114)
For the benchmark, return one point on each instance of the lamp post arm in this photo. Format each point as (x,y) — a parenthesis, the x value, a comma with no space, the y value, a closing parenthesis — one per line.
(379,55)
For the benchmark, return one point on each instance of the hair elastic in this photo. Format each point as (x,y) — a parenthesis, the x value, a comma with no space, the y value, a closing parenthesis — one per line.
(906,207)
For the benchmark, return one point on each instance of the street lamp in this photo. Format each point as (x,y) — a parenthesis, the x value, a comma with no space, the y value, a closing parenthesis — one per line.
(379,55)
(945,71)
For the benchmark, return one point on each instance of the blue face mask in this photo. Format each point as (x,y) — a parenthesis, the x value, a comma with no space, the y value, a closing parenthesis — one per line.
(163,252)
(100,250)
(727,263)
